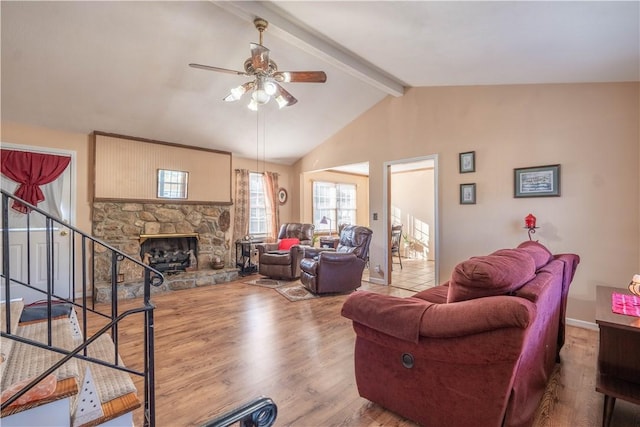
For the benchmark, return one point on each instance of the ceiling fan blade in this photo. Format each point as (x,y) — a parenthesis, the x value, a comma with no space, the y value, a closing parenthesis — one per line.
(284,98)
(222,70)
(300,76)
(259,57)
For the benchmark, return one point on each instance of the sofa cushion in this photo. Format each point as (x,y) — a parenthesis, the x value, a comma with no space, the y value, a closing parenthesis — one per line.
(285,244)
(540,254)
(500,273)
(276,258)
(437,294)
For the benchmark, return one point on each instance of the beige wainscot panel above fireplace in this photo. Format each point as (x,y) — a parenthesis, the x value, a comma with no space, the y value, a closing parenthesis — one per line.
(126,168)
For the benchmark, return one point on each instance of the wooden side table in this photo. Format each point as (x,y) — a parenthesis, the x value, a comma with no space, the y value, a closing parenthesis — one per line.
(244,250)
(618,375)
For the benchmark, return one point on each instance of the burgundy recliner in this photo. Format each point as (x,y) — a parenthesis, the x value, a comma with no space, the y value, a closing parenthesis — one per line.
(339,270)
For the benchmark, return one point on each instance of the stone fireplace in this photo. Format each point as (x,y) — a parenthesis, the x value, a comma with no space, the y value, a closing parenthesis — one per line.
(197,233)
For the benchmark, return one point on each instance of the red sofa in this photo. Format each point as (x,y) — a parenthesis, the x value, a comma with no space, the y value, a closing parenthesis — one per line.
(475,351)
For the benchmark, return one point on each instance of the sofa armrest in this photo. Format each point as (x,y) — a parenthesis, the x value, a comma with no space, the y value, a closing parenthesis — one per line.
(297,254)
(398,317)
(266,247)
(309,265)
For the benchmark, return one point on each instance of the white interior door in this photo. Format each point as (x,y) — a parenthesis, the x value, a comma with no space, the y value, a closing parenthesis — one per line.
(29,261)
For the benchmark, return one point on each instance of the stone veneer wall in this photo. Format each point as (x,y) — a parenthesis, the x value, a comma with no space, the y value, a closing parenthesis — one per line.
(120,225)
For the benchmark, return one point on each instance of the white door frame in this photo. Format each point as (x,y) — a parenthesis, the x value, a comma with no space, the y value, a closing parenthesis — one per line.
(385,210)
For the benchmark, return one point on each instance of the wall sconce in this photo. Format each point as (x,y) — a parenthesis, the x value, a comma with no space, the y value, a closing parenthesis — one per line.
(530,225)
(326,220)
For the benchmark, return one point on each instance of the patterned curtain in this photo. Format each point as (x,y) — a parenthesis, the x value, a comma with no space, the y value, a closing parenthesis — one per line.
(241,208)
(271,189)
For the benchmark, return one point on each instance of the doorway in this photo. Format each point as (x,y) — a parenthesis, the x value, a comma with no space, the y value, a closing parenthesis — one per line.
(28,261)
(410,188)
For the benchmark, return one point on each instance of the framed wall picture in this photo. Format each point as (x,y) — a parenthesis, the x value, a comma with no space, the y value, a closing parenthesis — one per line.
(468,194)
(467,162)
(537,181)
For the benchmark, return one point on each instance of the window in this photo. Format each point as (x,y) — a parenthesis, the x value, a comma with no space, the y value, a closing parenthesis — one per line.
(172,184)
(334,201)
(258,209)
(396,215)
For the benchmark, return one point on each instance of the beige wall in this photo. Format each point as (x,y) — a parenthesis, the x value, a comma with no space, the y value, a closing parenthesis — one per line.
(592,130)
(362,195)
(20,134)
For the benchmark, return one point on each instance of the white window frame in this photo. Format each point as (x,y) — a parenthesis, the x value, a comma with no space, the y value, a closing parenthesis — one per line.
(259,212)
(334,203)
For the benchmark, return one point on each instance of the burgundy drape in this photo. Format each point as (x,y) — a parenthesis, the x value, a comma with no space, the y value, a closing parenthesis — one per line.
(31,170)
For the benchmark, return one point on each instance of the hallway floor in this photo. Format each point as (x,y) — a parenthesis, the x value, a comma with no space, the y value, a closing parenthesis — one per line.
(415,275)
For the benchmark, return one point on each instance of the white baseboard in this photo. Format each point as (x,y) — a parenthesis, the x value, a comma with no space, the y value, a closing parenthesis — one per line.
(376,281)
(582,324)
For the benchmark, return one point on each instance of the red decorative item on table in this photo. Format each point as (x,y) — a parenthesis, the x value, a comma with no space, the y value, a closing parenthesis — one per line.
(530,221)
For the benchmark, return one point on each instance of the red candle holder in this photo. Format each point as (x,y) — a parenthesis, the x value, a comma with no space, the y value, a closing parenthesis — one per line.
(530,224)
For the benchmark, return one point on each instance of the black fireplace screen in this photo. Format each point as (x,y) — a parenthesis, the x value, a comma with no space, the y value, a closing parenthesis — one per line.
(170,254)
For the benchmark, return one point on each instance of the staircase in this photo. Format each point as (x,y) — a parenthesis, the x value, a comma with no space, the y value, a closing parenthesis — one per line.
(59,358)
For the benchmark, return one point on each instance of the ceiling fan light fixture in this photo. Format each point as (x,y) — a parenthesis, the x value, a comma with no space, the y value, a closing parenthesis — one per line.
(270,88)
(286,76)
(281,101)
(236,93)
(260,94)
(253,105)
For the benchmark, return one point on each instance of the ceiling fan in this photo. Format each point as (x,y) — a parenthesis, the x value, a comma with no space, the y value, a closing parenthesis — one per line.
(267,77)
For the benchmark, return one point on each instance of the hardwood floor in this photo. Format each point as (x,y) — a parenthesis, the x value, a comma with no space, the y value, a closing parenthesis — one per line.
(220,346)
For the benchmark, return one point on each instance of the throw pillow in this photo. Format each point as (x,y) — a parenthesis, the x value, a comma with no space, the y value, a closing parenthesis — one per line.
(500,273)
(540,254)
(285,244)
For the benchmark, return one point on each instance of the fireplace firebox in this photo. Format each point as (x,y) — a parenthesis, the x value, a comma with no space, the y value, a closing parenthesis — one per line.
(170,253)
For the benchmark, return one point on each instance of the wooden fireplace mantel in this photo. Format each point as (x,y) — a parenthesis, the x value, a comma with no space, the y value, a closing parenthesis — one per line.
(145,237)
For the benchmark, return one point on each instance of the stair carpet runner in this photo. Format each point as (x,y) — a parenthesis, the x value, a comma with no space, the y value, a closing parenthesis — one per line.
(20,362)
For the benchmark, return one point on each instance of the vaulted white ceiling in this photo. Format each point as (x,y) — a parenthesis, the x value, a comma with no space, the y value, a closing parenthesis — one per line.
(121,67)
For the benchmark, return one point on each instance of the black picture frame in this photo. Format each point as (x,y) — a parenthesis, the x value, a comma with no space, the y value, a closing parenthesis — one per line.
(468,194)
(467,162)
(536,181)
